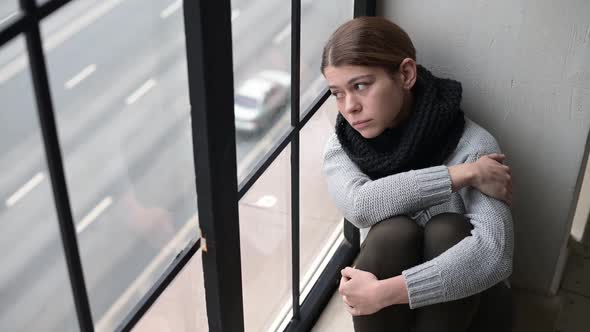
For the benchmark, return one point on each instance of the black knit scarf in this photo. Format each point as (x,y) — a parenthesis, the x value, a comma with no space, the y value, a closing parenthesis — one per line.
(426,138)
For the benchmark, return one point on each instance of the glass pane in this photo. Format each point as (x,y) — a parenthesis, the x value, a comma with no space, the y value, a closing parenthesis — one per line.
(181,308)
(34,284)
(318,20)
(321,222)
(261,33)
(120,90)
(265,241)
(8,10)
(71,19)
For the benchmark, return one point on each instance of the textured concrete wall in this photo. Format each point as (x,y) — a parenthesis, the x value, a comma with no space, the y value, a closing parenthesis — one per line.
(525,69)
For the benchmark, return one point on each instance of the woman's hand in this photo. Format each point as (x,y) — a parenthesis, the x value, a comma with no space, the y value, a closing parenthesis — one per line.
(493,178)
(359,290)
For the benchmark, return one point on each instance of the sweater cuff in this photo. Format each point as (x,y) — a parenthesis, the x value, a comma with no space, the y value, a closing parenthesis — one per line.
(425,285)
(434,184)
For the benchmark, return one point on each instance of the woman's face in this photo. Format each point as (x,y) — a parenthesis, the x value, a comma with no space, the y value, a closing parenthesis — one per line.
(369,98)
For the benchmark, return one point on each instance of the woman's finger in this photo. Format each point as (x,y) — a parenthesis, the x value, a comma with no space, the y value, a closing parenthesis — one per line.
(497,157)
(341,287)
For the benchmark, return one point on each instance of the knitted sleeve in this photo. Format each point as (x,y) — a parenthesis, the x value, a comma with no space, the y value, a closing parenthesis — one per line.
(477,262)
(364,202)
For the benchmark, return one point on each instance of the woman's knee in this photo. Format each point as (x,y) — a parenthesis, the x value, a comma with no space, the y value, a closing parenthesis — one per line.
(443,231)
(391,246)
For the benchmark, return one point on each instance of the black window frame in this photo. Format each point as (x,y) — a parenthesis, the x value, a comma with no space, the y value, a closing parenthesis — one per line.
(210,77)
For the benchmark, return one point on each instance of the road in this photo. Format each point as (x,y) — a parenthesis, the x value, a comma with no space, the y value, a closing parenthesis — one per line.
(118,77)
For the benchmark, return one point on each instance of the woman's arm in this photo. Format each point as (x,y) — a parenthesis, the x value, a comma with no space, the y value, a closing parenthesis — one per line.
(364,202)
(475,263)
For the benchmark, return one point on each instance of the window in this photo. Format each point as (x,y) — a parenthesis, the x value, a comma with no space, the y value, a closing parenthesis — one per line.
(98,175)
(261,59)
(119,88)
(321,222)
(36,293)
(318,20)
(8,11)
(265,240)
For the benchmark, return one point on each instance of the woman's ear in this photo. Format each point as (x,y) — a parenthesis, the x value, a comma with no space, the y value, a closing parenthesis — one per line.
(409,73)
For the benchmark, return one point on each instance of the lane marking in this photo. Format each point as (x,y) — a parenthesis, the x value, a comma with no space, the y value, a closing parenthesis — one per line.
(171,9)
(142,90)
(282,35)
(21,62)
(235,14)
(7,18)
(95,213)
(25,189)
(80,76)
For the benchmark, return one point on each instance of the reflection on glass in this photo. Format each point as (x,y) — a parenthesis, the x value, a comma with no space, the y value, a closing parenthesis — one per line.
(265,242)
(261,31)
(118,80)
(318,20)
(35,292)
(321,222)
(8,11)
(181,307)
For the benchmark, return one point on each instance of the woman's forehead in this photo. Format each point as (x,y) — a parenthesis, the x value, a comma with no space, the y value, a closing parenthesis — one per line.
(342,75)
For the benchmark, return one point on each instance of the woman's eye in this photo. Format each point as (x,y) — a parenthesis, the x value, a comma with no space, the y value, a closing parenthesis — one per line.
(337,94)
(360,86)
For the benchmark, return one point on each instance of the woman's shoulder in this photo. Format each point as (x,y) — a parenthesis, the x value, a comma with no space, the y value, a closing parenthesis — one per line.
(332,144)
(332,147)
(477,139)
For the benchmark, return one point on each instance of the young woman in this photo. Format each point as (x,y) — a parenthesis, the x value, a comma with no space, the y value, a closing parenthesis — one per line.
(425,184)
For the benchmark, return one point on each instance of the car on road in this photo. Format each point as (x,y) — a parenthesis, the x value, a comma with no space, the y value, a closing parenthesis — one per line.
(260,99)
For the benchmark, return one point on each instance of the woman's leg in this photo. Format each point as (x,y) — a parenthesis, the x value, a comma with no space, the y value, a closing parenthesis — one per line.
(441,233)
(391,246)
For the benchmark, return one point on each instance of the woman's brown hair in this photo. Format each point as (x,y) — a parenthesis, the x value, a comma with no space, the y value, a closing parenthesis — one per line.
(368,41)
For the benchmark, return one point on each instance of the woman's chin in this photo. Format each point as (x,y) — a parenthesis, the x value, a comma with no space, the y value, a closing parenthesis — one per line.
(369,133)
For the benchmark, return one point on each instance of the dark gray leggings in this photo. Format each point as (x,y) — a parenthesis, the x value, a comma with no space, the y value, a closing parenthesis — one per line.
(398,243)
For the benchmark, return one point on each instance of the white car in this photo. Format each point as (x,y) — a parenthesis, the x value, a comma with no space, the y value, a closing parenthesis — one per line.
(259,99)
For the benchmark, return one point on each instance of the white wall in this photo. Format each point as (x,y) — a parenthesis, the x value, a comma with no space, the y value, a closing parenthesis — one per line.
(525,69)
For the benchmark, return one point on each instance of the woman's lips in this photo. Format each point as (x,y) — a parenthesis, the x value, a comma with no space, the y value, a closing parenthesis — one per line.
(361,124)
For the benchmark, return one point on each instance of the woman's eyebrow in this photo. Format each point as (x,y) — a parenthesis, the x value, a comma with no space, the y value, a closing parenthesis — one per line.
(356,78)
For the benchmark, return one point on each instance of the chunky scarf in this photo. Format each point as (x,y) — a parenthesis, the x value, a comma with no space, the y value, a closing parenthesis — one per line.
(426,138)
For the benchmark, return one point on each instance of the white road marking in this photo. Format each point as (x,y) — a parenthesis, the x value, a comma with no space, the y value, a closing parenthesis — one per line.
(171,9)
(25,189)
(91,217)
(266,201)
(21,62)
(136,289)
(235,14)
(7,18)
(282,35)
(140,91)
(80,76)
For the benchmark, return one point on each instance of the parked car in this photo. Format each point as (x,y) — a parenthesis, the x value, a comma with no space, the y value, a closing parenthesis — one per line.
(260,99)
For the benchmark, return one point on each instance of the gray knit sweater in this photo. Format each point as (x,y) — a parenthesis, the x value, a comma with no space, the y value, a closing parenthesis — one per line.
(477,262)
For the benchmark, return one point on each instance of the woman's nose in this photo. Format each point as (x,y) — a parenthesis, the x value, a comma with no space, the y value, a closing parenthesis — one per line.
(351,104)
